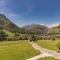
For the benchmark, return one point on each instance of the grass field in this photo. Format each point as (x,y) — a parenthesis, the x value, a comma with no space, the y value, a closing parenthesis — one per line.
(47,58)
(16,50)
(9,33)
(49,44)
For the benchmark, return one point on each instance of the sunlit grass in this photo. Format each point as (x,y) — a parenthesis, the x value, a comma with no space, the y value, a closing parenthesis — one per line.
(9,33)
(16,50)
(49,44)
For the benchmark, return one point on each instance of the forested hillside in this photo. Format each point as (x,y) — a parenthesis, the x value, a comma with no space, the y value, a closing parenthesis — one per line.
(35,29)
(6,24)
(15,32)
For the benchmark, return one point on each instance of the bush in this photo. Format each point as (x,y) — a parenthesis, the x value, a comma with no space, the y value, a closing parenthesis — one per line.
(3,36)
(32,38)
(53,39)
(16,36)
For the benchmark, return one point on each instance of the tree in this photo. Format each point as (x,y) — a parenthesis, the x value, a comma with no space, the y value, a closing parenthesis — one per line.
(32,38)
(3,35)
(16,36)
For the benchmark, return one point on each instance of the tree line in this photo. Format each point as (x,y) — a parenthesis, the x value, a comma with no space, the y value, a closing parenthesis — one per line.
(31,37)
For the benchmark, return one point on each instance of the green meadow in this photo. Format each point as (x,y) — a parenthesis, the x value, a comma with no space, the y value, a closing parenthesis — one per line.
(48,44)
(16,50)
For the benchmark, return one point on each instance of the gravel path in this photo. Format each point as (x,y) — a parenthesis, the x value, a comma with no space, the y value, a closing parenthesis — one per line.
(44,52)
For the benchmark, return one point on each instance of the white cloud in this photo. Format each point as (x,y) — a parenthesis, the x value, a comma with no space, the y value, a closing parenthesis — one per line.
(53,25)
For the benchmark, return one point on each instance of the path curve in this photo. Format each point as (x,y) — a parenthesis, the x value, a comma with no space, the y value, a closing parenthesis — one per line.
(44,52)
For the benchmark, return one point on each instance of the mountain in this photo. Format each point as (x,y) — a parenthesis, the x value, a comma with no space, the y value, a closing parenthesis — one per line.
(35,29)
(55,30)
(6,24)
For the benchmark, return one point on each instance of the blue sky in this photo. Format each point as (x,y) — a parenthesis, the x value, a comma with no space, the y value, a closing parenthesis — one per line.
(23,12)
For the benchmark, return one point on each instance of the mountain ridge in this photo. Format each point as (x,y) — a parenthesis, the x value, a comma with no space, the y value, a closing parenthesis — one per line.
(8,25)
(5,23)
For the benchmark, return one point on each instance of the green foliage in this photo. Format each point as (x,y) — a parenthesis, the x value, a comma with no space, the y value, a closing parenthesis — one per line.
(3,35)
(10,34)
(32,38)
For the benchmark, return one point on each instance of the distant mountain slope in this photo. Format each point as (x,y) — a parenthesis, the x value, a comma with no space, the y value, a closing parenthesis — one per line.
(35,29)
(55,29)
(6,24)
(9,26)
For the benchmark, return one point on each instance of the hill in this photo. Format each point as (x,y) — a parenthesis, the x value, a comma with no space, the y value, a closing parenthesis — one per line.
(55,30)
(35,29)
(6,24)
(10,27)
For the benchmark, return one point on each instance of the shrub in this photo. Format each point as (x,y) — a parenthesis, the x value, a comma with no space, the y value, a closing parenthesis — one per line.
(3,36)
(32,38)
